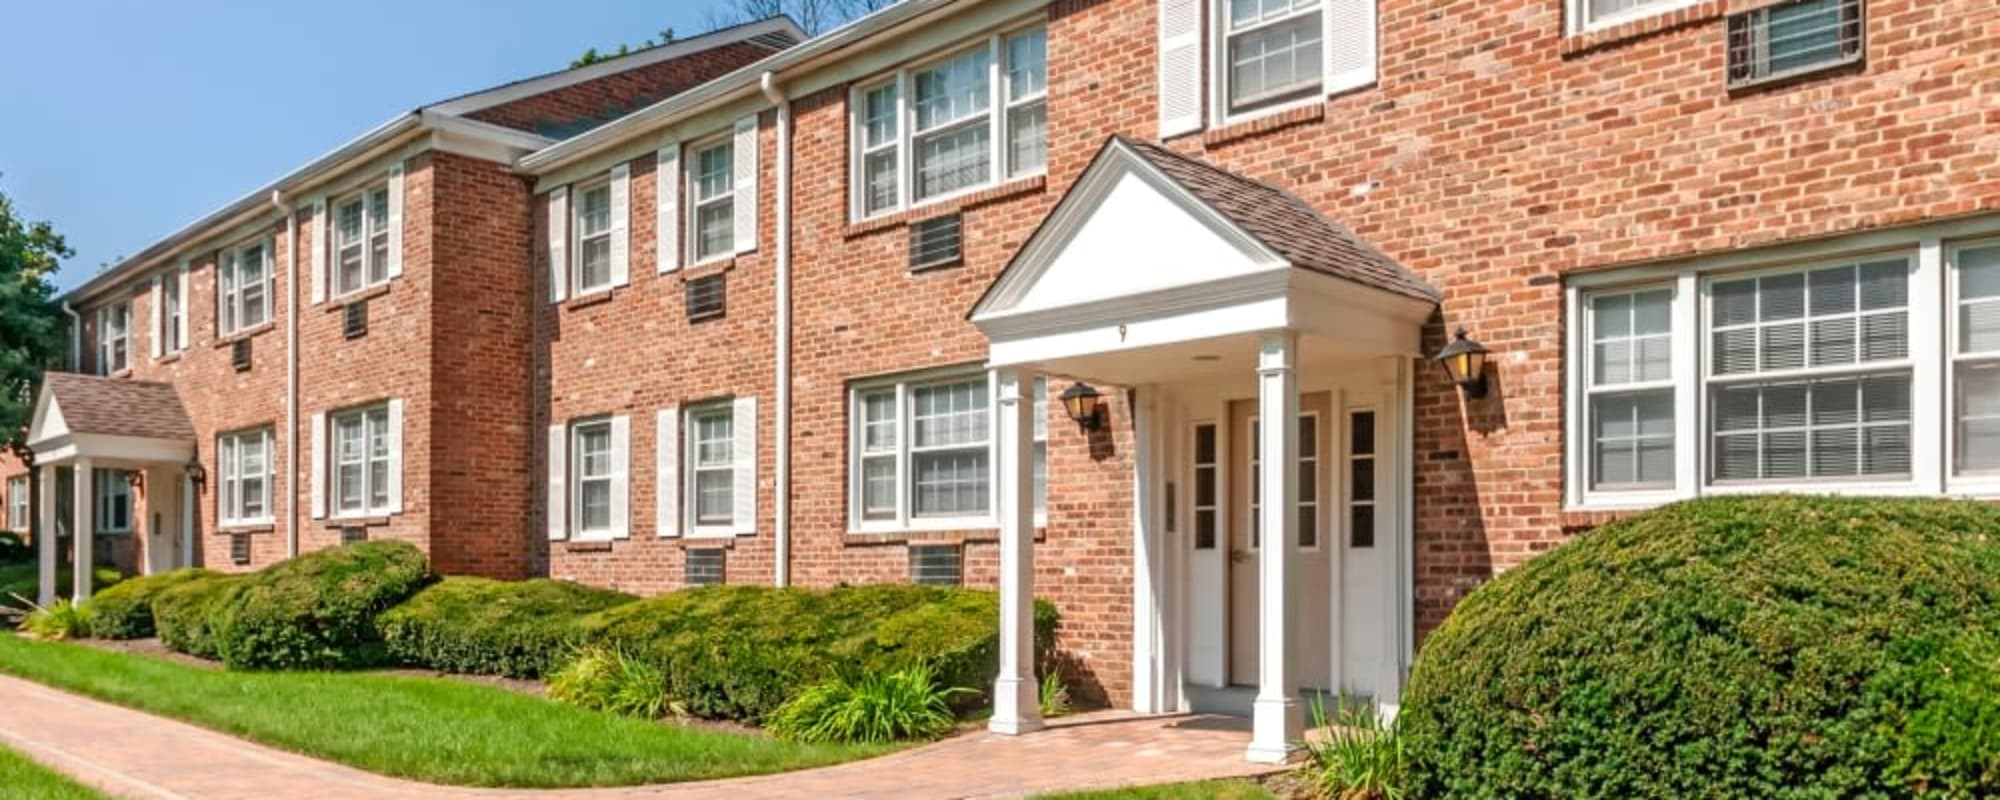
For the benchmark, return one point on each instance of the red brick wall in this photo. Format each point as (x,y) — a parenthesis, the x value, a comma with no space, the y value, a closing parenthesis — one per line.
(574,109)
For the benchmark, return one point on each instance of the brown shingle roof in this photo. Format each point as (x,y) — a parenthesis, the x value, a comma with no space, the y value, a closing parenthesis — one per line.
(118,407)
(1284,223)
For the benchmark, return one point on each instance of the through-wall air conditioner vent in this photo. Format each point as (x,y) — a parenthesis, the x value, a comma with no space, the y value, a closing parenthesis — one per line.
(937,243)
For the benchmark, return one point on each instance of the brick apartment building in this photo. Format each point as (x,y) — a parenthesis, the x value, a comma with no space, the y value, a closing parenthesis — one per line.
(821,319)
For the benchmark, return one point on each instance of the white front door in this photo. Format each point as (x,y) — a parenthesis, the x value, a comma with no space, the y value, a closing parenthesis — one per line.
(163,521)
(1368,640)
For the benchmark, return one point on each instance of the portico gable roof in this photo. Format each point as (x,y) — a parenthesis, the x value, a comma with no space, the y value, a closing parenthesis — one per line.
(85,415)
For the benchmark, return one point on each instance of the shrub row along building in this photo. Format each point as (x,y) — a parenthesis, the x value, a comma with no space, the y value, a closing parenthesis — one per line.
(1036,294)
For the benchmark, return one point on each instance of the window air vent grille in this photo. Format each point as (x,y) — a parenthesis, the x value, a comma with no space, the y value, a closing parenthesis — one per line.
(1782,41)
(937,243)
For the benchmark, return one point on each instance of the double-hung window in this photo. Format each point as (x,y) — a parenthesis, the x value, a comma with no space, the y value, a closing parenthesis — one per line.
(592,224)
(244,459)
(924,450)
(114,500)
(114,338)
(1629,383)
(17,503)
(243,290)
(361,240)
(361,462)
(712,201)
(1589,15)
(967,120)
(591,463)
(1976,361)
(711,474)
(171,313)
(1272,53)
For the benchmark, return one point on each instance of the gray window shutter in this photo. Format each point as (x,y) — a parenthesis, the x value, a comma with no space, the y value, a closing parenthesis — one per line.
(396,219)
(1180,66)
(621,224)
(1350,44)
(319,269)
(743,157)
(318,471)
(667,474)
(558,500)
(559,245)
(666,205)
(621,476)
(395,434)
(743,424)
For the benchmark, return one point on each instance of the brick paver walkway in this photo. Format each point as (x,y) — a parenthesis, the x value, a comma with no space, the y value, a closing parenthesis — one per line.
(133,754)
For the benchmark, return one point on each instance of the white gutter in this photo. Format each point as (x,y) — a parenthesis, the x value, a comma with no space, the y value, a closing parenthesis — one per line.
(781,411)
(291,370)
(75,337)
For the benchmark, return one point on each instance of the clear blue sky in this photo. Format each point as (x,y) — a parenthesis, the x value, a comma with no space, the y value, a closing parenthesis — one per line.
(122,121)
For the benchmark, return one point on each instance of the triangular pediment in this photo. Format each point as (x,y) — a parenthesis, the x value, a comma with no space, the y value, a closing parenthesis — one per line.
(47,424)
(1124,230)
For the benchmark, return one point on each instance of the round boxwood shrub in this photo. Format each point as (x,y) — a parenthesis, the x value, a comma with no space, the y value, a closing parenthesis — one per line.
(1780,647)
(317,611)
(125,611)
(185,614)
(520,629)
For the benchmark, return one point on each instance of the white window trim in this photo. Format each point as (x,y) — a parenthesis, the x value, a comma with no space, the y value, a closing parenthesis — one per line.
(690,167)
(576,480)
(906,521)
(109,486)
(1928,363)
(690,473)
(231,469)
(228,272)
(1576,20)
(367,197)
(18,510)
(368,508)
(108,344)
(995,114)
(577,193)
(1218,67)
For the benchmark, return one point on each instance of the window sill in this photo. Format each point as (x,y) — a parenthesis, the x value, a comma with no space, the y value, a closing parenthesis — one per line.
(366,521)
(1252,125)
(594,298)
(170,358)
(706,541)
(971,533)
(341,302)
(947,205)
(230,528)
(588,546)
(1591,40)
(713,266)
(227,339)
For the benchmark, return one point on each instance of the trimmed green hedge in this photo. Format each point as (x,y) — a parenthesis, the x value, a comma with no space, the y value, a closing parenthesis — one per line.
(14,547)
(317,611)
(185,615)
(737,652)
(125,611)
(1776,647)
(520,629)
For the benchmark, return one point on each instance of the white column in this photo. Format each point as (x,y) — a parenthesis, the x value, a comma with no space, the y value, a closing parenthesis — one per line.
(45,540)
(1276,721)
(1016,697)
(84,528)
(1147,550)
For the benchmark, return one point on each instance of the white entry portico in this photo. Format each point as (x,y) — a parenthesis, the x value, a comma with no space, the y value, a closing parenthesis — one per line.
(1268,354)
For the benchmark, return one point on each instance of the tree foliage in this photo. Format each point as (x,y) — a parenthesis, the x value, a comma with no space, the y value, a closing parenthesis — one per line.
(815,16)
(30,327)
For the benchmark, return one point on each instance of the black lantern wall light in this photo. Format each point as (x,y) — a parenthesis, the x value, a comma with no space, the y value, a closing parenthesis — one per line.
(1465,360)
(1085,405)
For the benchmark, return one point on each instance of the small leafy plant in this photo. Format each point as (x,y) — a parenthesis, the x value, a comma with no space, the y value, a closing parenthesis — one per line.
(1360,757)
(904,704)
(611,679)
(57,621)
(1055,696)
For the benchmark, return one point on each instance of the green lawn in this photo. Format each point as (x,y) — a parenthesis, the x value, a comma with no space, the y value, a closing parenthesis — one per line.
(21,779)
(1206,790)
(427,729)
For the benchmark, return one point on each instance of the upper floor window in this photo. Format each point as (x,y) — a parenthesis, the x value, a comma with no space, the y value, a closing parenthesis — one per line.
(361,240)
(114,338)
(963,121)
(924,452)
(243,291)
(1273,52)
(17,503)
(711,200)
(592,224)
(245,460)
(1587,15)
(171,317)
(1874,373)
(114,500)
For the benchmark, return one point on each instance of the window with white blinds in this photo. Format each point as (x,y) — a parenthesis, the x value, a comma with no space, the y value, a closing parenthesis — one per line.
(1630,385)
(1976,361)
(923,450)
(1809,374)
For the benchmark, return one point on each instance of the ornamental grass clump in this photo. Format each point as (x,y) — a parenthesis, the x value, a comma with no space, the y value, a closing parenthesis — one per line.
(903,705)
(610,679)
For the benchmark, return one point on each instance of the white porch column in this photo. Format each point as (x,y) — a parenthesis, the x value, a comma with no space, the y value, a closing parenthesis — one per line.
(85,528)
(1017,705)
(1276,720)
(45,540)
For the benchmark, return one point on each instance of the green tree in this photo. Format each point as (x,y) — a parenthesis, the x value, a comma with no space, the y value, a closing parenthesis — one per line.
(31,327)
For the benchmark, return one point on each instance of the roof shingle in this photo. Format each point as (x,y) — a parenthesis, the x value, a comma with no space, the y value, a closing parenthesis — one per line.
(118,407)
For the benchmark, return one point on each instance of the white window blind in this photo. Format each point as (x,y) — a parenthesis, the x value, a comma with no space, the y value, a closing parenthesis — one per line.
(247,470)
(593,469)
(923,450)
(711,466)
(949,450)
